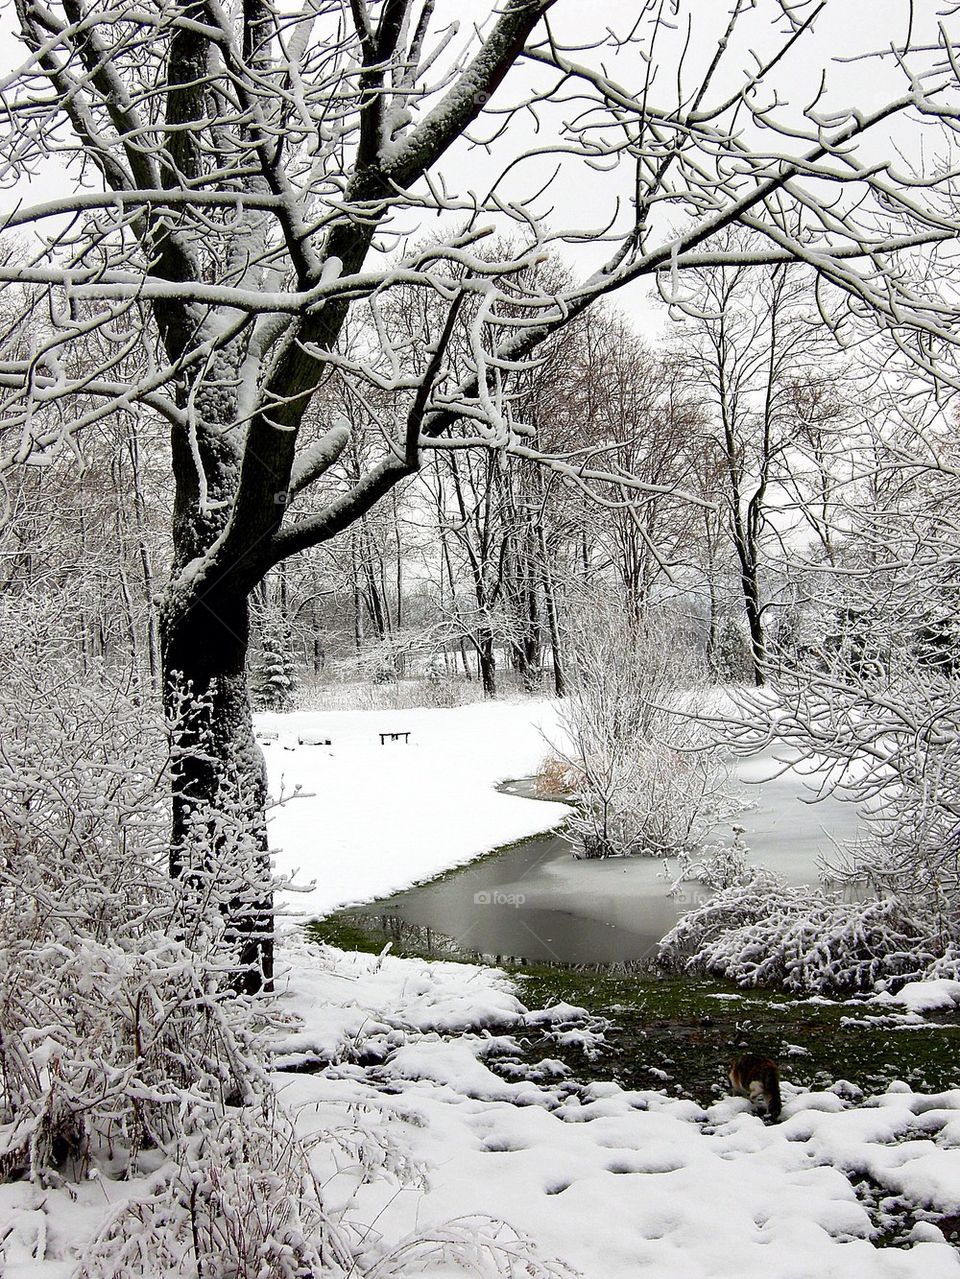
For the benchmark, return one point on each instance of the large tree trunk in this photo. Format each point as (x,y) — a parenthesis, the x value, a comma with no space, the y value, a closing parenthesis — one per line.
(219,842)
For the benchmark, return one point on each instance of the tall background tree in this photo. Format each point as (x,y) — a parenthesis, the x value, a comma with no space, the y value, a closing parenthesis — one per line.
(756,336)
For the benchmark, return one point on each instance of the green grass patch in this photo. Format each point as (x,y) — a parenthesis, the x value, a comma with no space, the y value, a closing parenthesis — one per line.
(680,1033)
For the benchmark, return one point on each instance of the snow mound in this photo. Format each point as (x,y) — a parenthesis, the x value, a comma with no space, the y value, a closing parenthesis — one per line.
(925,996)
(557,1014)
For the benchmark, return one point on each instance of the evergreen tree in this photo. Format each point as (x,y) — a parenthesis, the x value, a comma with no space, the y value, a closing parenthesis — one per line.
(272,676)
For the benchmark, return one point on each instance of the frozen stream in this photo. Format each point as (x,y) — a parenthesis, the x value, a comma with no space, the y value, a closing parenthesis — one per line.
(536,902)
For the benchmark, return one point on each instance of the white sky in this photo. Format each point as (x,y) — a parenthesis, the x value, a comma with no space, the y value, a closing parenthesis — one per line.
(582,198)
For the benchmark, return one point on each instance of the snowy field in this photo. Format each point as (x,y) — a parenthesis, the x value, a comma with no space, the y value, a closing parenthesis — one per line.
(431,1162)
(373,818)
(616,1184)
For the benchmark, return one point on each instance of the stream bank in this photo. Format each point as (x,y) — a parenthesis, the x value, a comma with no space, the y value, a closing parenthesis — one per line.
(680,1033)
(533,902)
(586,933)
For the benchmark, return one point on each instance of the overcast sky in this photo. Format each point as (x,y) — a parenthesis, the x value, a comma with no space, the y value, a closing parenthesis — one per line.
(582,198)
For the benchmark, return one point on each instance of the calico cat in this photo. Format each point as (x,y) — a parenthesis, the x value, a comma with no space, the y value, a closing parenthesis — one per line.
(759,1079)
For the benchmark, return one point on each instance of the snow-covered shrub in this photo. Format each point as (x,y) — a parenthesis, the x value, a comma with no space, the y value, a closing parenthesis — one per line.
(83,814)
(737,907)
(106,1046)
(766,933)
(272,678)
(236,1201)
(718,865)
(109,1020)
(646,773)
(123,1051)
(475,1245)
(731,661)
(443,688)
(660,800)
(946,965)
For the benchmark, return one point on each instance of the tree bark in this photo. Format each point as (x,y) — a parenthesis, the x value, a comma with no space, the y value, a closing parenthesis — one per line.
(550,599)
(218,843)
(532,633)
(754,611)
(487,662)
(143,552)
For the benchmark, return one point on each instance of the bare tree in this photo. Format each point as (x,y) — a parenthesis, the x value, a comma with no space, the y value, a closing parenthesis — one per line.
(755,338)
(86,531)
(249,177)
(875,693)
(645,770)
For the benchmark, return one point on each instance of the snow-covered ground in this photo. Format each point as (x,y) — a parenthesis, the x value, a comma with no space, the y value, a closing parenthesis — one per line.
(433,1163)
(613,1183)
(617,1184)
(372,818)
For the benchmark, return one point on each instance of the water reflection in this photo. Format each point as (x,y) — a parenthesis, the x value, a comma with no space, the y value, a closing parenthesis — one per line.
(537,903)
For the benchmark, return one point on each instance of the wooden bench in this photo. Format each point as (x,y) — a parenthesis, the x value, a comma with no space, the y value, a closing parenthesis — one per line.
(394,737)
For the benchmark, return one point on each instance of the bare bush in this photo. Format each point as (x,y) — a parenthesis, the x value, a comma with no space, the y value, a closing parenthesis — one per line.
(237,1201)
(648,777)
(554,777)
(719,865)
(766,933)
(477,1245)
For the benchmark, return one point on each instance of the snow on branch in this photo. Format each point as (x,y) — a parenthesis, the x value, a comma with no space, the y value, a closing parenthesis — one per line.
(317,459)
(271,200)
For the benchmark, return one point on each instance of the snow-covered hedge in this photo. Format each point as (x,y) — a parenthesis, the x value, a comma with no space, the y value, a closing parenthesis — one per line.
(646,773)
(765,932)
(122,1051)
